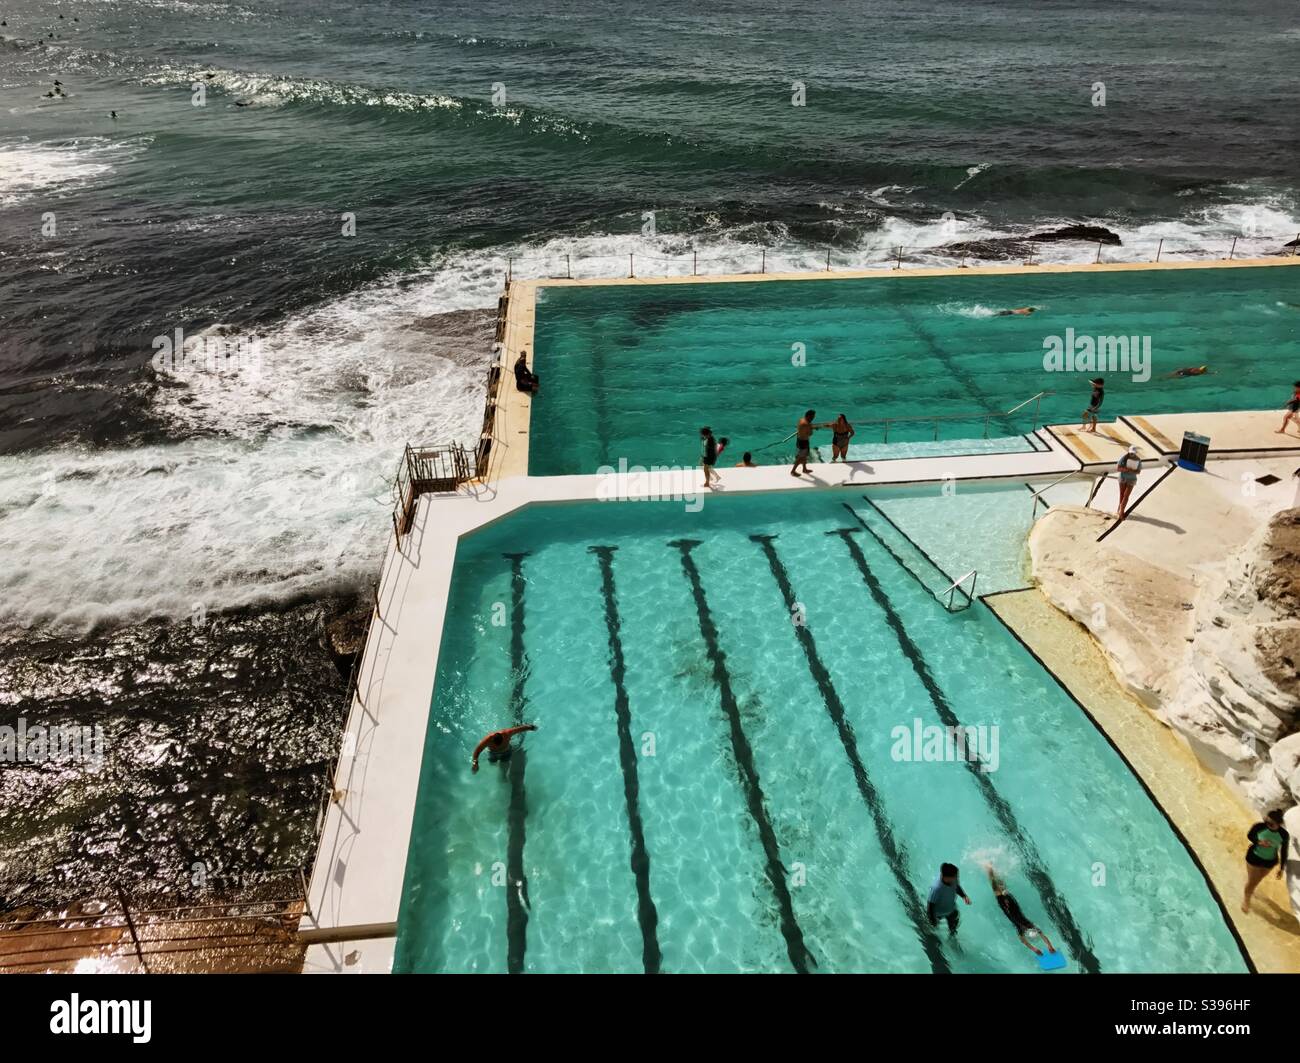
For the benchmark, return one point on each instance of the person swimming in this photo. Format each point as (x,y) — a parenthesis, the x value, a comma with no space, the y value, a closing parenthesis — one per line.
(1026,931)
(746,461)
(1192,370)
(1019,311)
(497,744)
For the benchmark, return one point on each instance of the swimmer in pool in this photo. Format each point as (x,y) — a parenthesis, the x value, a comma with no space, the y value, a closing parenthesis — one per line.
(1019,311)
(497,744)
(1193,370)
(1026,931)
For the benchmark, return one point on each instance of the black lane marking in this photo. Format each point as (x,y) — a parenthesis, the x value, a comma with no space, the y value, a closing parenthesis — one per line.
(517,903)
(932,592)
(645,905)
(1034,869)
(744,755)
(1209,883)
(955,369)
(895,852)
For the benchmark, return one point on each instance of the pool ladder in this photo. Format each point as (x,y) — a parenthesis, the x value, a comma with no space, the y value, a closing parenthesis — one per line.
(951,591)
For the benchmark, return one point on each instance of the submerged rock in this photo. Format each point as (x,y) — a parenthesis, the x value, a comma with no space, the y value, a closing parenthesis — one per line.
(345,636)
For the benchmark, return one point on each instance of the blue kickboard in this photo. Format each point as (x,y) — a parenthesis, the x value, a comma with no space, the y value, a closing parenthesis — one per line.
(1051,961)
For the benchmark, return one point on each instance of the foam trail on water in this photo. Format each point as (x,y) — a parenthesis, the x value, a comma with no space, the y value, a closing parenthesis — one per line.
(1004,860)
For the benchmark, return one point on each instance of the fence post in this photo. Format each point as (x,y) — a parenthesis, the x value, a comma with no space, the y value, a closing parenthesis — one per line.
(763,267)
(1295,246)
(695,263)
(510,268)
(898,262)
(130,923)
(568,267)
(1030,260)
(1233,250)
(630,272)
(1098,258)
(1160,247)
(828,260)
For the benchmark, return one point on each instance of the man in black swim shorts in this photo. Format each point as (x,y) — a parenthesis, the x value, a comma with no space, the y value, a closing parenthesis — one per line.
(1094,404)
(1025,930)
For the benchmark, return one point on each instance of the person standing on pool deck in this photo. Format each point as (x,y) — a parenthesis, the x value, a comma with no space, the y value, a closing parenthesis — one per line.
(1128,468)
(942,902)
(1025,930)
(803,441)
(710,448)
(1094,404)
(1270,844)
(843,432)
(1292,409)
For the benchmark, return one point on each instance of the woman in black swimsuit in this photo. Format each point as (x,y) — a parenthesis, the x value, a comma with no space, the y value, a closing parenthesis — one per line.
(842,432)
(1026,931)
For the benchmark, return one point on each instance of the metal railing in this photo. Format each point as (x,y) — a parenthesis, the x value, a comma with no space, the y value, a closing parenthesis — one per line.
(1055,483)
(951,590)
(122,932)
(937,419)
(897,255)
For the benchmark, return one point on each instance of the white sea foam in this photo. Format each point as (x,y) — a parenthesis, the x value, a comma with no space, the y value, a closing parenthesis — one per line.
(282,489)
(28,169)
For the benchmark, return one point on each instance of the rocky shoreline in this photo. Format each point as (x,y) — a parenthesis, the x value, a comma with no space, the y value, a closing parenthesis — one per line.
(1213,650)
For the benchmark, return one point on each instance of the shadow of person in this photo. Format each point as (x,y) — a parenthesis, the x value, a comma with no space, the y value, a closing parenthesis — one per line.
(1143,519)
(1273,913)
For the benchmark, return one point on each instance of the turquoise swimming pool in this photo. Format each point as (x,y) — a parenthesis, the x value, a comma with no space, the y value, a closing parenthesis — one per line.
(716,787)
(633,371)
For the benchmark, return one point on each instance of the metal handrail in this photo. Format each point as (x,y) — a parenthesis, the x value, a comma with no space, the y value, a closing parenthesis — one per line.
(1032,398)
(937,417)
(951,589)
(1073,472)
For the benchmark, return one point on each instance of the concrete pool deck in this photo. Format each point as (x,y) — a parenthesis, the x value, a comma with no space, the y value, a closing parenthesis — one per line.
(360,866)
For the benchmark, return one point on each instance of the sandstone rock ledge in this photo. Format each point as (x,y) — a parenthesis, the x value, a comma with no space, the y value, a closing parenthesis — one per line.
(1210,644)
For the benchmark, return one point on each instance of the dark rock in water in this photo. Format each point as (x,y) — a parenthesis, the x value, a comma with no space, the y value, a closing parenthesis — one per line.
(1012,247)
(1292,243)
(1090,233)
(345,636)
(994,247)
(206,763)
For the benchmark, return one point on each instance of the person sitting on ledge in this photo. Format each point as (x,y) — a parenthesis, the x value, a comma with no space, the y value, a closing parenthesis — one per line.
(525,378)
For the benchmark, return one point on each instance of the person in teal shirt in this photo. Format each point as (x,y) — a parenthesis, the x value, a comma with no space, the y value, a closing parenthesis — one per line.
(1269,846)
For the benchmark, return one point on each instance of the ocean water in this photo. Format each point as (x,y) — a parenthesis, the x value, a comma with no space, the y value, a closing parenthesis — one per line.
(132,497)
(632,372)
(684,624)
